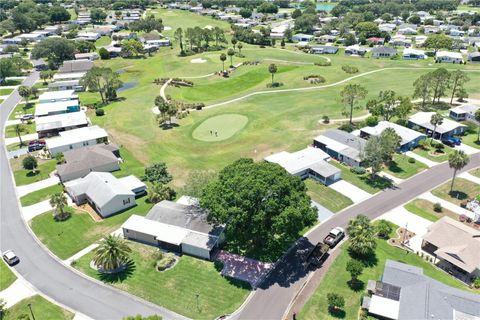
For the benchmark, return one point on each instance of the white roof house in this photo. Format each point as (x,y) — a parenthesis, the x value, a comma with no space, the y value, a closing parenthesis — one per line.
(77,138)
(410,138)
(68,76)
(413,54)
(90,36)
(103,191)
(449,57)
(52,108)
(448,127)
(64,121)
(464,112)
(54,96)
(384,307)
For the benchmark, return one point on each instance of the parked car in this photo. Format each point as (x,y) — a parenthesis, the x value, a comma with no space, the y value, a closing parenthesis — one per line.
(334,237)
(35,145)
(10,257)
(451,141)
(27,117)
(317,254)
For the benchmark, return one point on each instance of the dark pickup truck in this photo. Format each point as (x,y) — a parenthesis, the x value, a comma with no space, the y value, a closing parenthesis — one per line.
(316,254)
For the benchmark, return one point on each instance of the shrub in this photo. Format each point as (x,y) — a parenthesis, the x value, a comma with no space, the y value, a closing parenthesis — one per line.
(104,54)
(476,283)
(29,163)
(326,119)
(349,69)
(371,121)
(383,229)
(274,85)
(99,112)
(165,262)
(323,63)
(347,127)
(358,170)
(437,207)
(59,158)
(411,160)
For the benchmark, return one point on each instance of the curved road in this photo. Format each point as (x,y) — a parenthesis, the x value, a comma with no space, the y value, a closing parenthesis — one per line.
(47,274)
(271,300)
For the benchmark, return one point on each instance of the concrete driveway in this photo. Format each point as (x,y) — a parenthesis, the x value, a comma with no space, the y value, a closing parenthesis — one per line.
(467,149)
(323,213)
(23,190)
(349,190)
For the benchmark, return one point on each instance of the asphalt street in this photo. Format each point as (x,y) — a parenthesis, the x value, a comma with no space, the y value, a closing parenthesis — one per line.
(44,272)
(271,300)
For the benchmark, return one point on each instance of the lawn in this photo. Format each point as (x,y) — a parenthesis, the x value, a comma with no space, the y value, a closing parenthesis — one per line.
(475,172)
(103,41)
(6,276)
(428,153)
(17,145)
(129,166)
(424,209)
(471,135)
(11,82)
(462,190)
(219,128)
(41,85)
(401,168)
(190,277)
(327,197)
(5,92)
(363,181)
(23,176)
(42,309)
(68,237)
(40,195)
(27,128)
(337,277)
(22,109)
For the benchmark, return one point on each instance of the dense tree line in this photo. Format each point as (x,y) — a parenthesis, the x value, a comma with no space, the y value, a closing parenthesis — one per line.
(193,40)
(148,24)
(248,36)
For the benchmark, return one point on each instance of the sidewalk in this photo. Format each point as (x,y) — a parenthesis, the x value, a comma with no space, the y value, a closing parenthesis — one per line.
(470,177)
(349,190)
(23,190)
(80,254)
(390,177)
(17,291)
(36,209)
(466,148)
(447,204)
(426,161)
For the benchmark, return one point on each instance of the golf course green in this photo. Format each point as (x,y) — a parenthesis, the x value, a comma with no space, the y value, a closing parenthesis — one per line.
(219,128)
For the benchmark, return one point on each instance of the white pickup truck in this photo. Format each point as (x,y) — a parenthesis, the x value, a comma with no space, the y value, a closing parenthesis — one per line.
(334,237)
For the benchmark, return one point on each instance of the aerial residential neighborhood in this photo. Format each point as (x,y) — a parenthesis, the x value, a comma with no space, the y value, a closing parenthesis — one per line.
(240,159)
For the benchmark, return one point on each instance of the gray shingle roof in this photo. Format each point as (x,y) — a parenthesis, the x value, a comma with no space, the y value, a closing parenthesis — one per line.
(75,66)
(78,160)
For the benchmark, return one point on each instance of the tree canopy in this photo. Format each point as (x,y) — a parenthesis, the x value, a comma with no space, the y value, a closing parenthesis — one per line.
(102,80)
(56,50)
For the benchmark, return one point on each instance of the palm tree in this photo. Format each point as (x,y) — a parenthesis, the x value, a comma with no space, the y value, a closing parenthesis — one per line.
(272,69)
(436,120)
(59,201)
(223,57)
(162,106)
(234,42)
(362,236)
(477,118)
(24,92)
(231,53)
(18,130)
(456,161)
(240,46)
(112,253)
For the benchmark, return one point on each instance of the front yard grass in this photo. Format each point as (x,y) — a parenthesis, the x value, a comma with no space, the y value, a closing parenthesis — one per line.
(470,138)
(401,168)
(11,82)
(130,165)
(5,92)
(424,209)
(176,289)
(337,277)
(23,176)
(27,129)
(17,145)
(363,181)
(22,109)
(65,238)
(462,190)
(475,172)
(40,195)
(7,277)
(103,41)
(327,197)
(427,153)
(42,308)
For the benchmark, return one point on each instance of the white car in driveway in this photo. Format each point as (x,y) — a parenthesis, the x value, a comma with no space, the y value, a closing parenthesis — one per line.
(10,257)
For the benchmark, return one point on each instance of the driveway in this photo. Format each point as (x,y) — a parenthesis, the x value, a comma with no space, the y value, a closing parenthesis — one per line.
(23,190)
(17,153)
(323,213)
(466,148)
(18,290)
(349,190)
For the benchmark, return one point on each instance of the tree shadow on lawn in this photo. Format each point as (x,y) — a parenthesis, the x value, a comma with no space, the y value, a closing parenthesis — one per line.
(377,182)
(337,313)
(356,285)
(119,276)
(393,166)
(31,174)
(460,195)
(168,126)
(368,261)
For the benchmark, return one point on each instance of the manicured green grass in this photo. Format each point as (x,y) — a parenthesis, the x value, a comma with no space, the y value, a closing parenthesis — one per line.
(428,153)
(363,181)
(220,127)
(217,295)
(1,101)
(27,129)
(462,190)
(40,195)
(475,172)
(337,277)
(401,168)
(11,82)
(129,166)
(40,85)
(23,176)
(472,134)
(468,8)
(6,276)
(17,146)
(103,41)
(22,109)
(424,209)
(42,308)
(327,197)
(68,237)
(5,92)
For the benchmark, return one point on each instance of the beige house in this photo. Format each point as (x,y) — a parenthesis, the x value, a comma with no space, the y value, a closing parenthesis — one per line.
(456,247)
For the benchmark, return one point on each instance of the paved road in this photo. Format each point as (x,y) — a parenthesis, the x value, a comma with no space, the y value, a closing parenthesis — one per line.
(46,273)
(271,300)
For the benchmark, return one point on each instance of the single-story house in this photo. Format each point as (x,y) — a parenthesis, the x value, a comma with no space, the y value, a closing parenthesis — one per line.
(407,28)
(355,50)
(75,66)
(341,145)
(89,36)
(66,85)
(448,57)
(404,293)
(76,139)
(463,112)
(56,96)
(324,50)
(53,108)
(449,128)
(456,246)
(51,125)
(431,29)
(158,42)
(32,37)
(105,193)
(383,52)
(387,27)
(456,33)
(414,54)
(80,162)
(87,56)
(410,138)
(326,38)
(299,37)
(68,76)
(177,227)
(401,41)
(307,163)
(474,57)
(376,40)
